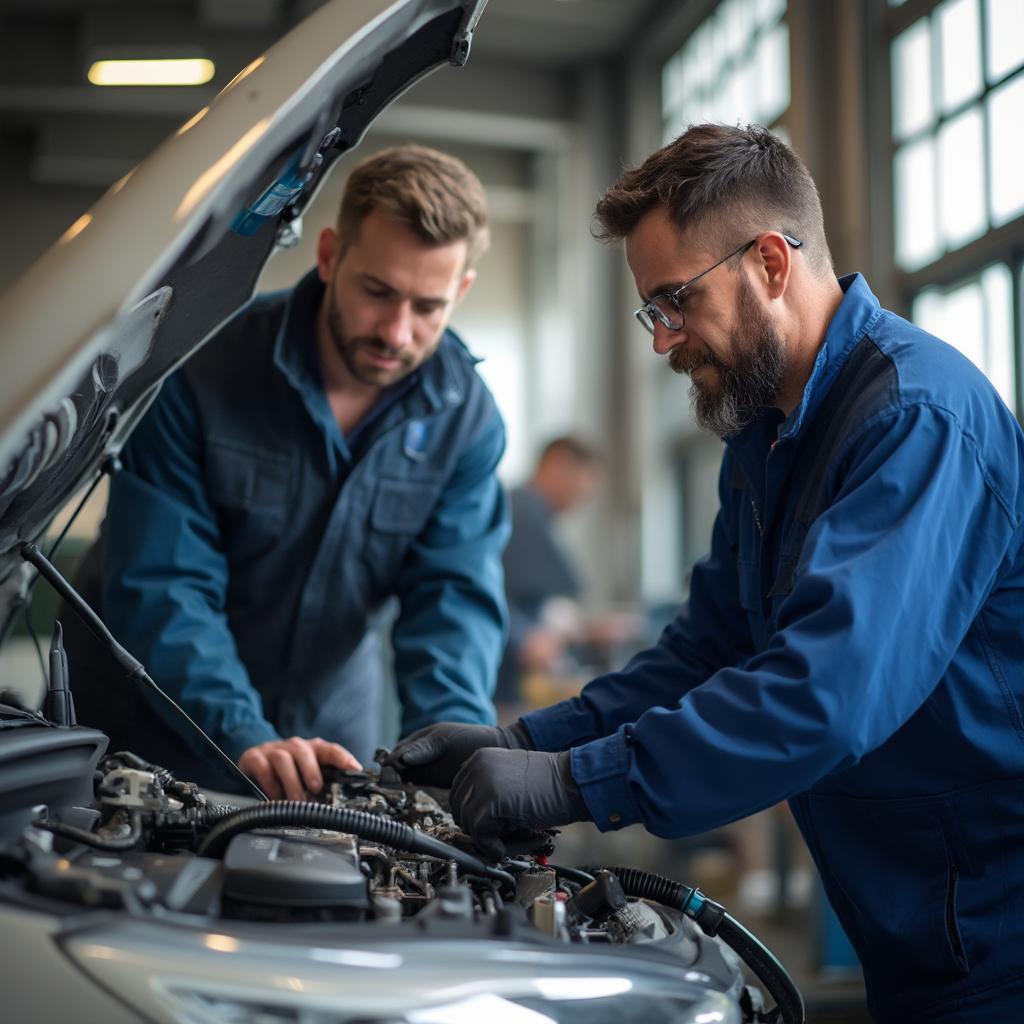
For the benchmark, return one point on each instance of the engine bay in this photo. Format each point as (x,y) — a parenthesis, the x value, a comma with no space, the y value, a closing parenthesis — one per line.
(373,859)
(152,845)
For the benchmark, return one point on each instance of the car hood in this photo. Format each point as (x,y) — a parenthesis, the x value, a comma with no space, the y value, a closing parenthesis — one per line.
(172,250)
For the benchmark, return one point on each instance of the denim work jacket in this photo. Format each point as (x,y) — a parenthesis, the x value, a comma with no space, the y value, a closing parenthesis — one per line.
(865,662)
(251,549)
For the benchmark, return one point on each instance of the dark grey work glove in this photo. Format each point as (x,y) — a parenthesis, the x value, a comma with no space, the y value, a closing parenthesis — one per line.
(432,756)
(500,792)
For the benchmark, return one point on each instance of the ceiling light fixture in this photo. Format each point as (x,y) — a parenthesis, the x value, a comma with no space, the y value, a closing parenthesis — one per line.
(177,71)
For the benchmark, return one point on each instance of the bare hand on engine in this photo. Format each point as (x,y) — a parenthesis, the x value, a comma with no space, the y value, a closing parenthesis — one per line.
(290,769)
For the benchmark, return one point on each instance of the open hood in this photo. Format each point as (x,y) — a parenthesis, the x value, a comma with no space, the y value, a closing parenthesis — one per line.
(172,250)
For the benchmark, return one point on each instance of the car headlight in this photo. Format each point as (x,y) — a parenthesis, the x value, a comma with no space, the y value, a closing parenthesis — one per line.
(205,1008)
(181,975)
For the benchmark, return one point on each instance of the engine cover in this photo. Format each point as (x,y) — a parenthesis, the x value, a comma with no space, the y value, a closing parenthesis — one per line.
(276,871)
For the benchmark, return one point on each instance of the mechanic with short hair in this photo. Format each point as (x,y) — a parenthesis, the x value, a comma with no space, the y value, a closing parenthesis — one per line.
(330,450)
(854,642)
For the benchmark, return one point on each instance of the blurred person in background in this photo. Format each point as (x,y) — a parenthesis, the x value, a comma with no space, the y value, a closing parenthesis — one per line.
(551,637)
(332,451)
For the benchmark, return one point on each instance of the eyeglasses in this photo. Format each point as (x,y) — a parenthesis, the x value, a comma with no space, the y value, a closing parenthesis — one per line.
(666,308)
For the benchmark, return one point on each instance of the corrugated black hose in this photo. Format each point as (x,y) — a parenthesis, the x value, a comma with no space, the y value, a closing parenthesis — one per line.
(714,920)
(300,814)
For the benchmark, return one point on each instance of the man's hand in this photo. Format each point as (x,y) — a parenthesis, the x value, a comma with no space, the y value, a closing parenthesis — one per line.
(433,755)
(291,768)
(498,792)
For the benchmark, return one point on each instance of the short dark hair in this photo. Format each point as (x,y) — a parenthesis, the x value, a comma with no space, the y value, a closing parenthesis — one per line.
(575,447)
(726,184)
(433,193)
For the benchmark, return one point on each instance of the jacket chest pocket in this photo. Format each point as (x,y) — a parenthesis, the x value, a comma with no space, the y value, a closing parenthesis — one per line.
(749,589)
(398,514)
(785,565)
(251,493)
(762,590)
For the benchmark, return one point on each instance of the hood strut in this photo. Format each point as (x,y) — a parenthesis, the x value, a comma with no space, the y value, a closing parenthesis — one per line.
(133,668)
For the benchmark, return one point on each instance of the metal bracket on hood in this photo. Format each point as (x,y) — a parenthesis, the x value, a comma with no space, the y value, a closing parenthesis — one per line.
(462,42)
(460,49)
(289,233)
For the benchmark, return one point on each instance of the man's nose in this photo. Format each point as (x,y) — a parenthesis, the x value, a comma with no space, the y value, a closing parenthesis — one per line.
(665,339)
(396,327)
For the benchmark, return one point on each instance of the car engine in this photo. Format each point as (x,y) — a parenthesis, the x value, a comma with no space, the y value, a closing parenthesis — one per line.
(136,851)
(373,857)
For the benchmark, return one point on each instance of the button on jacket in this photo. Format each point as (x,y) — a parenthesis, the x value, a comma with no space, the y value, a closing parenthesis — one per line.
(865,661)
(251,549)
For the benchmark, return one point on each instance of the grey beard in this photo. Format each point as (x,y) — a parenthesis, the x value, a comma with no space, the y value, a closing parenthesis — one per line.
(754,380)
(742,393)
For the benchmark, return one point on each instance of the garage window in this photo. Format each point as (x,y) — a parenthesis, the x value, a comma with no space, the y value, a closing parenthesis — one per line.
(734,67)
(957,81)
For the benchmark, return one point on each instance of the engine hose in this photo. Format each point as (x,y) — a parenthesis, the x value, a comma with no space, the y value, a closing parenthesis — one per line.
(108,844)
(714,920)
(300,814)
(573,874)
(766,967)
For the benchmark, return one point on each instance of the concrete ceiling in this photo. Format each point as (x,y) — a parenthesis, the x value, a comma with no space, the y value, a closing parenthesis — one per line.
(561,33)
(61,130)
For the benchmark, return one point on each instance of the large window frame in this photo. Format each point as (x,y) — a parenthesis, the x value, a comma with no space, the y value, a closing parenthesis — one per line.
(721,59)
(1002,244)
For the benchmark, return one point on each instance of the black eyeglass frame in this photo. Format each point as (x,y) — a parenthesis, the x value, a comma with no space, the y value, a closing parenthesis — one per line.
(648,313)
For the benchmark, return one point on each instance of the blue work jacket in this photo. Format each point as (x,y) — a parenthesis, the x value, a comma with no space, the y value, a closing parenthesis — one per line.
(251,548)
(865,661)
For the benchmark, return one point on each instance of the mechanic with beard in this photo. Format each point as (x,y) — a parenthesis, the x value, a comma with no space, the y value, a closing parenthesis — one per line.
(854,642)
(330,450)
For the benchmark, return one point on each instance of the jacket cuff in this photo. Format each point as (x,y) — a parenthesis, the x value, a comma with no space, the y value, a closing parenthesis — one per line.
(601,770)
(560,726)
(242,737)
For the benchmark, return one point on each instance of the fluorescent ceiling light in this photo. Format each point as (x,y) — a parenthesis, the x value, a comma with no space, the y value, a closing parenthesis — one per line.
(179,71)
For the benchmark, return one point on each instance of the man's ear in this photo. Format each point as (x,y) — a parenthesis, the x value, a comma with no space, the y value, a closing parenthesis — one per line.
(467,279)
(328,245)
(776,263)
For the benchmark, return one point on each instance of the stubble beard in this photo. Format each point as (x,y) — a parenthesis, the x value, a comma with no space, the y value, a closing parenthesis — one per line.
(739,392)
(348,349)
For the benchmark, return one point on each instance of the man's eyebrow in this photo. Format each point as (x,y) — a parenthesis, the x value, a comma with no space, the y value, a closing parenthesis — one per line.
(672,286)
(379,283)
(370,279)
(661,289)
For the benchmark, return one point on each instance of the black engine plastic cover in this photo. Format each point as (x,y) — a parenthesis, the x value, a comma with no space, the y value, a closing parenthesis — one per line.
(278,871)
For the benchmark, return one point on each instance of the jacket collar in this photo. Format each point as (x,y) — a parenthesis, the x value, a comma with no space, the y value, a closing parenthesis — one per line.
(856,315)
